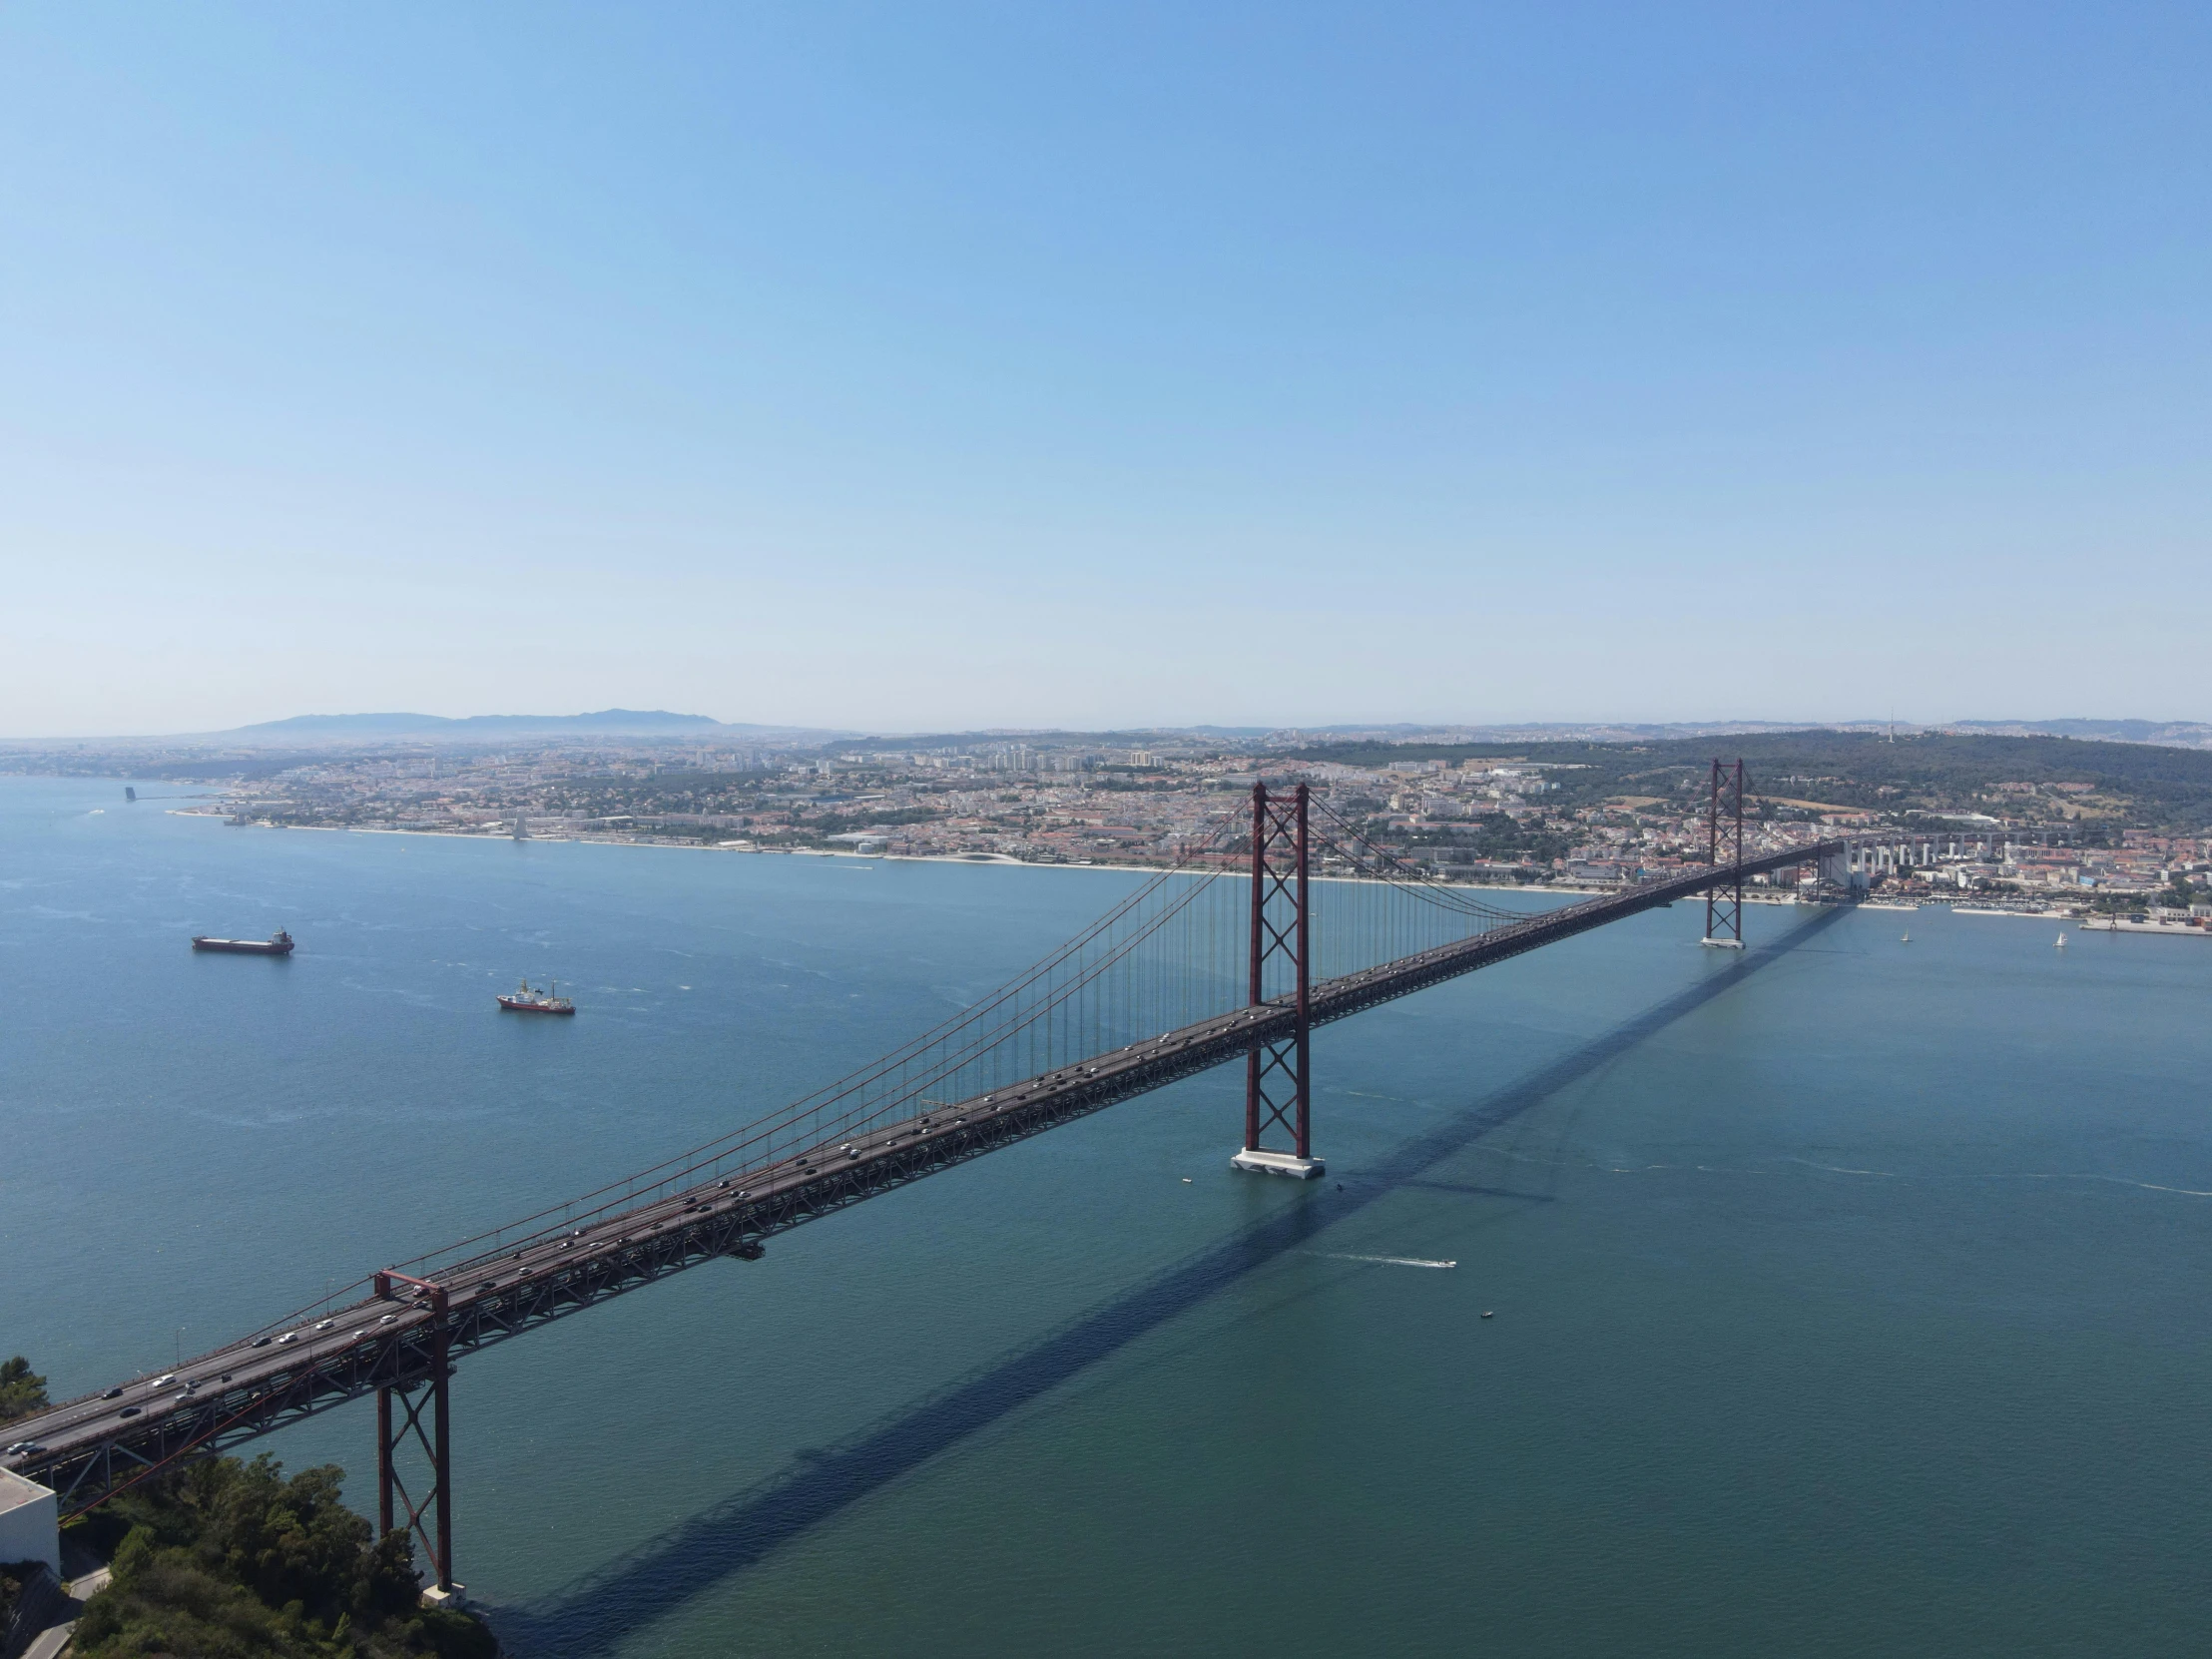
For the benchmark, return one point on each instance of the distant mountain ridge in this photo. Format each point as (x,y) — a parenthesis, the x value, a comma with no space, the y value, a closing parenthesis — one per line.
(317,731)
(636,723)
(2171,733)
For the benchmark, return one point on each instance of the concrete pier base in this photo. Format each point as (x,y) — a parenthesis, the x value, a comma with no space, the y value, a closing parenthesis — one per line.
(1724,944)
(1278,1163)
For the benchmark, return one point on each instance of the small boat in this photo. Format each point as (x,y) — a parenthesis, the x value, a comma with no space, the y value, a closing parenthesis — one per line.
(277,943)
(2061,944)
(523,999)
(1907,939)
(1489,1313)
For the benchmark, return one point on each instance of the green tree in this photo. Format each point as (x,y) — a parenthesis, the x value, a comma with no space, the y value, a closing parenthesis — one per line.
(21,1394)
(229,1560)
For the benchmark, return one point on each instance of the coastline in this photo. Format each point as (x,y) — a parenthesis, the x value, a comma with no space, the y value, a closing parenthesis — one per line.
(1007,861)
(999,861)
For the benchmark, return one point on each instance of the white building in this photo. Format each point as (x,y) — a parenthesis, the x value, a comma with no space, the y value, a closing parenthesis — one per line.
(30,1522)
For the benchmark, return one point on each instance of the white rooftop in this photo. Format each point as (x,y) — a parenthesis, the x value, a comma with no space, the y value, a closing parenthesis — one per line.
(15,1491)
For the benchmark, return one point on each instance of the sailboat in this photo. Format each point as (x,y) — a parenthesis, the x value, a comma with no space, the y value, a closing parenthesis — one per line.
(2061,944)
(1907,939)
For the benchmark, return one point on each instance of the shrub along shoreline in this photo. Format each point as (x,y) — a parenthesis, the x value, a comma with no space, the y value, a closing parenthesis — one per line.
(226,1559)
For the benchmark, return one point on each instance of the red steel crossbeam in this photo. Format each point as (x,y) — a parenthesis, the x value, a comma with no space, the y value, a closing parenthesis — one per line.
(436,1445)
(1724,903)
(1280,860)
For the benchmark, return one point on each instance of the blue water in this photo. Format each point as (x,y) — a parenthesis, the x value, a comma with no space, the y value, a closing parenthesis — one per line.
(1849,1292)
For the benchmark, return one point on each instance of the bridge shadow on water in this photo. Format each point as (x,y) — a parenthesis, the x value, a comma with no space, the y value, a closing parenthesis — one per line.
(592,1615)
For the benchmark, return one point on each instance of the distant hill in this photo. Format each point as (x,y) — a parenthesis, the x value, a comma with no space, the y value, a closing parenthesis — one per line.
(1049,737)
(2174,733)
(2158,784)
(636,723)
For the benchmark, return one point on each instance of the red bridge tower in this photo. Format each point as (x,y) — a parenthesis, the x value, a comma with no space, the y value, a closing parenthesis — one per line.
(1277,1096)
(1724,817)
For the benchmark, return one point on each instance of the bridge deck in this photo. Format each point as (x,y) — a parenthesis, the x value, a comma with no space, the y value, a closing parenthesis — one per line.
(90,1445)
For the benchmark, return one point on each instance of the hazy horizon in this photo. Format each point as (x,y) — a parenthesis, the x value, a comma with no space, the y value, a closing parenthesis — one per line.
(528,723)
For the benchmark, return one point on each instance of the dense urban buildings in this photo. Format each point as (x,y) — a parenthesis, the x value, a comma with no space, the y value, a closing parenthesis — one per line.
(1583,813)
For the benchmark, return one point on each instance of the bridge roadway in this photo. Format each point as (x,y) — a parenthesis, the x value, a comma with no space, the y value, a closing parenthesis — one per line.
(88,1446)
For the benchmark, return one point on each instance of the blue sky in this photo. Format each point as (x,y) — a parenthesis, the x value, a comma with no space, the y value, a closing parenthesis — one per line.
(912,367)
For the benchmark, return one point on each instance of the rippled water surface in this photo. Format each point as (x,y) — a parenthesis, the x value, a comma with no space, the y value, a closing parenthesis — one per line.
(1848,1293)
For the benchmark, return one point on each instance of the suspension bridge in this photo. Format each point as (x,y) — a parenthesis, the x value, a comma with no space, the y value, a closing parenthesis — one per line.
(1231,955)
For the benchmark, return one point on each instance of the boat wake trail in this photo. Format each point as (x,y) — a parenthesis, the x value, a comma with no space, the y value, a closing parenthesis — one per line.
(1381,1261)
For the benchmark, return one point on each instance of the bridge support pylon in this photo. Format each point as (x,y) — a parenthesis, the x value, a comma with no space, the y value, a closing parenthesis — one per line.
(435,1507)
(1276,1097)
(1724,817)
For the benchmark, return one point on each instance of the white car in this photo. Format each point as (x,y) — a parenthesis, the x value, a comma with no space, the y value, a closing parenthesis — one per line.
(289,1336)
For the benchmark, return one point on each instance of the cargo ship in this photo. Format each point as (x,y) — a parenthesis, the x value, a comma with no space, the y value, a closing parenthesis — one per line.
(523,1000)
(277,943)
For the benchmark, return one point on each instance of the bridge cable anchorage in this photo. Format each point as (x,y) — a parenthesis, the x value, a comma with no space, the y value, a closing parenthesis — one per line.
(1724,815)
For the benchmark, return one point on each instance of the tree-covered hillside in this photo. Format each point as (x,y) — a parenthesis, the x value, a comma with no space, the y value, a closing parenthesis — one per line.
(2136,784)
(224,1559)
